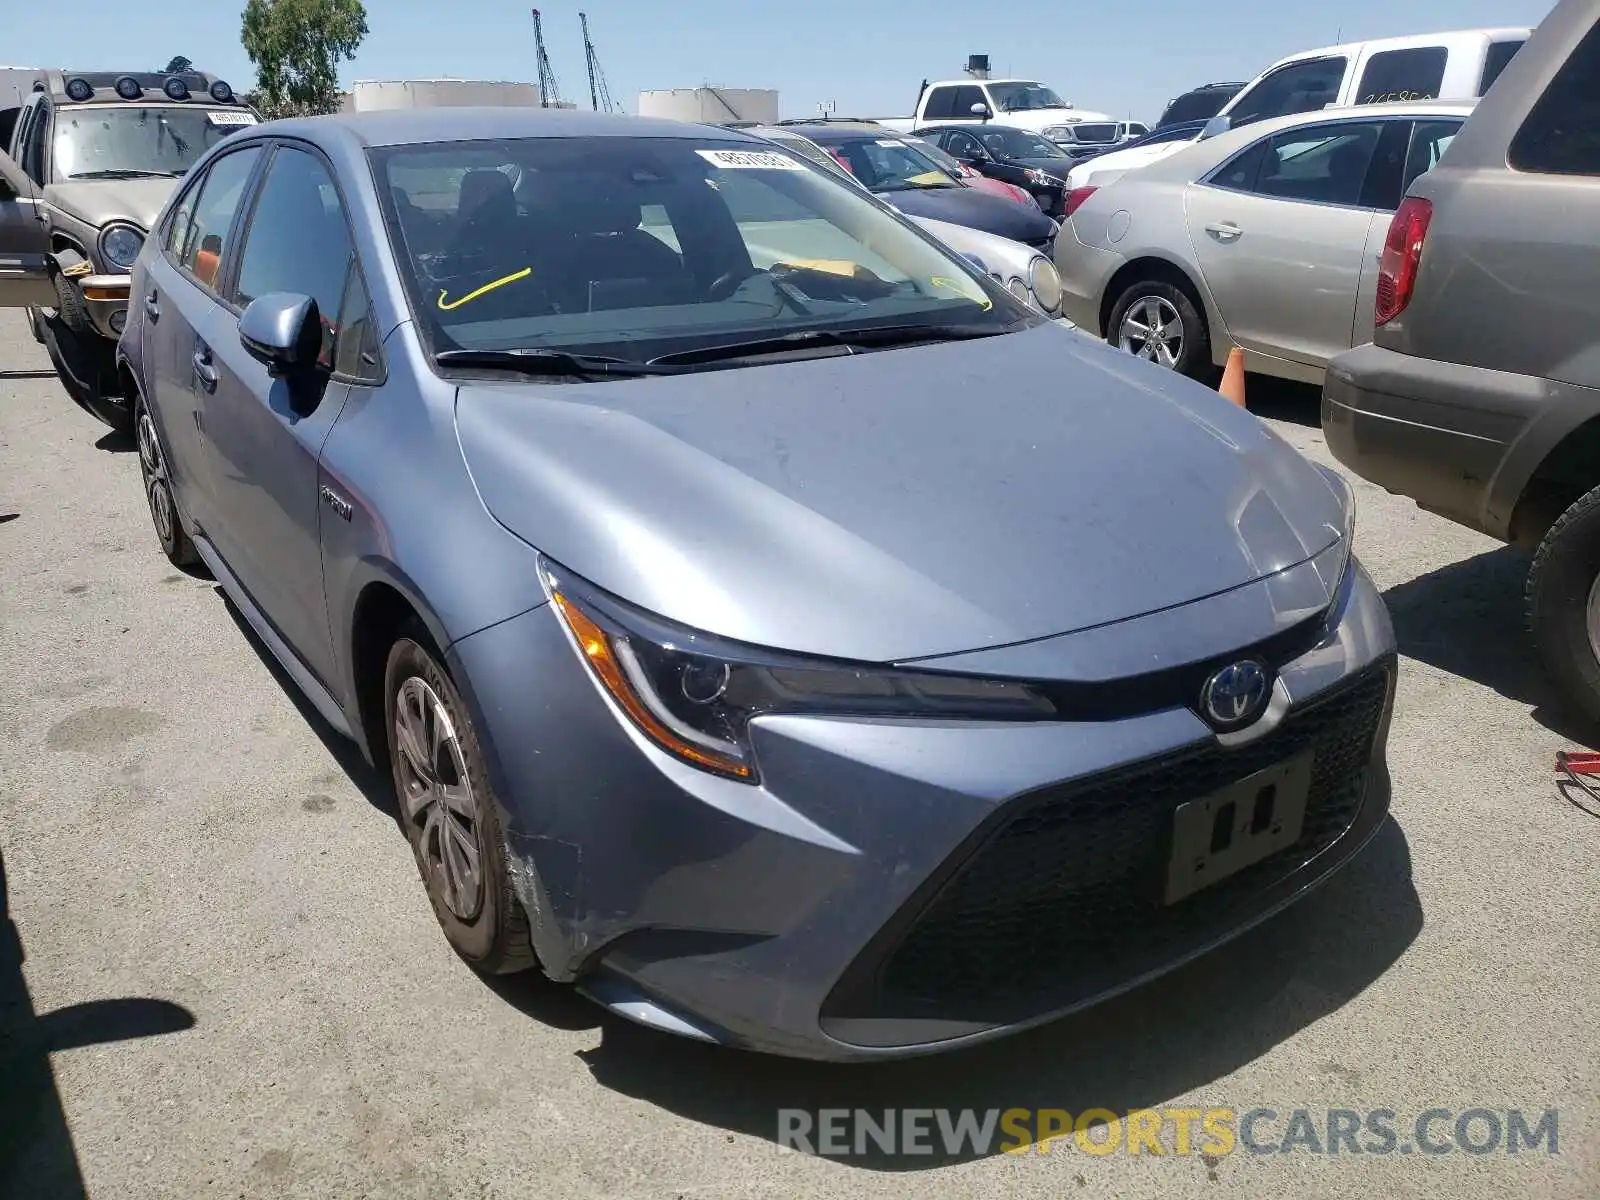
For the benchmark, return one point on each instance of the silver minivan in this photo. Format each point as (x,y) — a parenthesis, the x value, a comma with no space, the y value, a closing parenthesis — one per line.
(1480,395)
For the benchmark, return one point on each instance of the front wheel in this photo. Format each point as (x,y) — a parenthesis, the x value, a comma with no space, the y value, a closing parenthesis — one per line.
(84,360)
(450,813)
(158,491)
(1158,322)
(1563,599)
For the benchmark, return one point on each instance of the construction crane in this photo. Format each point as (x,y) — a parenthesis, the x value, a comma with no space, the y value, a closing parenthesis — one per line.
(549,90)
(599,94)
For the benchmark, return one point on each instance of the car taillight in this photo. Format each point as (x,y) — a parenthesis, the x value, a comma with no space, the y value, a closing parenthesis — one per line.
(1077,196)
(1402,251)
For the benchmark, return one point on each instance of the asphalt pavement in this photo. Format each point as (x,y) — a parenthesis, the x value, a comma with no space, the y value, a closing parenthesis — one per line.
(231,983)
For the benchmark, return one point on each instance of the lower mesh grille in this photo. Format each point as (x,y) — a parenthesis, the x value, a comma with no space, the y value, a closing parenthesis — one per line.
(1066,898)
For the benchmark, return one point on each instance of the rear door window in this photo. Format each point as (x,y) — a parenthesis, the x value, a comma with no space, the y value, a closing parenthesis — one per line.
(1297,87)
(1324,164)
(1495,60)
(206,243)
(1416,73)
(1562,134)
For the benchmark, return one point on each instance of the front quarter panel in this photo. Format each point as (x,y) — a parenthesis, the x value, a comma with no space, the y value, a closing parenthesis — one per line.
(399,509)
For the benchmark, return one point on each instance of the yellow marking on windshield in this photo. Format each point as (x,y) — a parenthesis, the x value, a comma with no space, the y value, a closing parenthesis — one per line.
(941,281)
(446,306)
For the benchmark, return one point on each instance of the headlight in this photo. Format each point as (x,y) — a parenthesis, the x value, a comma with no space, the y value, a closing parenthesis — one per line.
(1347,532)
(1046,284)
(695,696)
(1018,287)
(120,245)
(1058,133)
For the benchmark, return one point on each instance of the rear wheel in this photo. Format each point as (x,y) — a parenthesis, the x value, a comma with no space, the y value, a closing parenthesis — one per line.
(449,811)
(1564,604)
(1156,321)
(175,543)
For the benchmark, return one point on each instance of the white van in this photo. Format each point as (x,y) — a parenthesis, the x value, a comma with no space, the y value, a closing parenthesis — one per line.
(1459,65)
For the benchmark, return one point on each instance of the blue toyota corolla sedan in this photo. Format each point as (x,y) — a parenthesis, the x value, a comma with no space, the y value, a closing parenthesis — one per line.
(771,626)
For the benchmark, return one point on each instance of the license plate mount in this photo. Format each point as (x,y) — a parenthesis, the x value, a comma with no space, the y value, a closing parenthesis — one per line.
(1237,826)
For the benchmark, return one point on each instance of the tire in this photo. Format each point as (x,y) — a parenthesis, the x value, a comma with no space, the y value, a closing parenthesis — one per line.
(84,361)
(1563,604)
(164,515)
(1192,354)
(483,922)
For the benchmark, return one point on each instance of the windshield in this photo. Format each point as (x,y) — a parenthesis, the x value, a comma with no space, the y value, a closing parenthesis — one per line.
(1022,97)
(892,165)
(928,150)
(1018,143)
(147,139)
(634,248)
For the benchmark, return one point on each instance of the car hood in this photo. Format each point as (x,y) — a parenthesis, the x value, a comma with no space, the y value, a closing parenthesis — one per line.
(900,504)
(99,201)
(976,209)
(1050,166)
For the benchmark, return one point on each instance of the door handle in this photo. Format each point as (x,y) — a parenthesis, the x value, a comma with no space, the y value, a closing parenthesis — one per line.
(203,370)
(1226,230)
(152,306)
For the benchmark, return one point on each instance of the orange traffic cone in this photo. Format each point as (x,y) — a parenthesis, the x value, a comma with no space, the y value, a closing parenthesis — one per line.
(1233,378)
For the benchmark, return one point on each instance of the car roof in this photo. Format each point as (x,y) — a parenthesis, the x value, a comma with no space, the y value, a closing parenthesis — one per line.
(838,131)
(412,126)
(1504,33)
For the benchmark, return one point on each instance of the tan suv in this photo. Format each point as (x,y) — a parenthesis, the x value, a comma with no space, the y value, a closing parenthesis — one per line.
(1480,395)
(93,157)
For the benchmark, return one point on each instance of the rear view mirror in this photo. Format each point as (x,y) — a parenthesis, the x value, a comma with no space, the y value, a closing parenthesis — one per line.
(1215,126)
(283,331)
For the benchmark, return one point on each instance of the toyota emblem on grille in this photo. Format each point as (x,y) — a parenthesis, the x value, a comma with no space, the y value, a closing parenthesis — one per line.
(1237,694)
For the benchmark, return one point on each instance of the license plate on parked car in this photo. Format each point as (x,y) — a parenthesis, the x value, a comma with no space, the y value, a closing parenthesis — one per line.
(1223,833)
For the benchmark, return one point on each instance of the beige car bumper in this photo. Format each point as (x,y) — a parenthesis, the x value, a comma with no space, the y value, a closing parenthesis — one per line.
(105,297)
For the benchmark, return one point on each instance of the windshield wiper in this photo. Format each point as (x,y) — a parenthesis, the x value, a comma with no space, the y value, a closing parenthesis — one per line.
(849,341)
(123,173)
(548,362)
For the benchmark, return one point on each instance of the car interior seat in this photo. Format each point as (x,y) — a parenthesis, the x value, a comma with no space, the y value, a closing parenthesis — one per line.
(599,257)
(488,225)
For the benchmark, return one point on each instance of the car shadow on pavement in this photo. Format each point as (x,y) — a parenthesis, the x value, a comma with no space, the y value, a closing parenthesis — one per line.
(377,790)
(113,442)
(1284,400)
(1468,619)
(37,1157)
(1165,1040)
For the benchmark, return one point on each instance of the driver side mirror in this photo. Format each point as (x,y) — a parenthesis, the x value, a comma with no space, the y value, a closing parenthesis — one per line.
(1216,126)
(283,332)
(981,111)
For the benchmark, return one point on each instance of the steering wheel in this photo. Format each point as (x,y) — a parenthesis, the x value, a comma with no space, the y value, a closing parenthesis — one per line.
(727,284)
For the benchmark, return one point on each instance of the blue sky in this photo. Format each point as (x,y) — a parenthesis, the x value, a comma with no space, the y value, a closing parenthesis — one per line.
(1118,58)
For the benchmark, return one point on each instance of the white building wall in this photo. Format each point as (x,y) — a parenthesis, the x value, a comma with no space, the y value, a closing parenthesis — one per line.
(711,106)
(376,95)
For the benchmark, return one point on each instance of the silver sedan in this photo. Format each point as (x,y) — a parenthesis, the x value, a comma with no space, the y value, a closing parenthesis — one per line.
(1267,238)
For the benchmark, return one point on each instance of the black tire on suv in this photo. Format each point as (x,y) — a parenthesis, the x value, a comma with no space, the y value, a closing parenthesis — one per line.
(84,360)
(1563,603)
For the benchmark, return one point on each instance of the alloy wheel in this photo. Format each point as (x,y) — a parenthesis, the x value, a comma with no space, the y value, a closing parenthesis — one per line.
(1152,329)
(1593,618)
(436,792)
(157,491)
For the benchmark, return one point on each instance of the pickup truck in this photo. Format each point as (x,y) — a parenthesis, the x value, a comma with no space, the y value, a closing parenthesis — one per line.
(1020,103)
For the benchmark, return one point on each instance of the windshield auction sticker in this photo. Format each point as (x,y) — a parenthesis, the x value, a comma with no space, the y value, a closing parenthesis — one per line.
(219,117)
(750,160)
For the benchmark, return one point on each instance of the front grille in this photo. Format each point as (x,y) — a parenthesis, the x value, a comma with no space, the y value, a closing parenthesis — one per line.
(1065,899)
(1094,131)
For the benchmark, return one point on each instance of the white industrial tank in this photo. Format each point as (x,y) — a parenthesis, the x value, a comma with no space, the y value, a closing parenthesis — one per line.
(711,105)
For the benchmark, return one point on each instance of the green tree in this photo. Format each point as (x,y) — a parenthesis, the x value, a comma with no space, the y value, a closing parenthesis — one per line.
(297,46)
